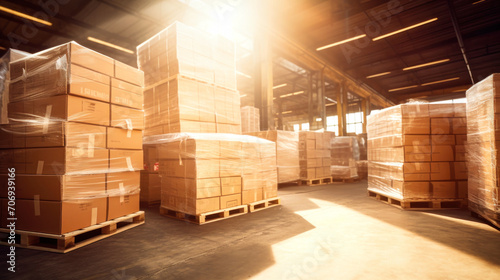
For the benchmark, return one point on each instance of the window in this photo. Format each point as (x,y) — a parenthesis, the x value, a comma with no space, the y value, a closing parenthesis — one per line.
(354,122)
(296,127)
(305,126)
(332,124)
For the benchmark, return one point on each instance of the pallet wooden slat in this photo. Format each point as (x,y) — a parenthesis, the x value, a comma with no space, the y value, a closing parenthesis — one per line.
(315,182)
(264,204)
(418,204)
(346,180)
(208,217)
(64,243)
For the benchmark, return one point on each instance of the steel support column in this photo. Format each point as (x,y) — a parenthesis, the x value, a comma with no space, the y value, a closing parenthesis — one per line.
(263,63)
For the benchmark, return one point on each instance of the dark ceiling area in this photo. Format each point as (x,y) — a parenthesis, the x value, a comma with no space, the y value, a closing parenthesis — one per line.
(459,38)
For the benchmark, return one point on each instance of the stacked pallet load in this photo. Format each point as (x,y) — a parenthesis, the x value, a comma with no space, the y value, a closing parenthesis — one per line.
(150,177)
(287,153)
(345,154)
(483,113)
(250,119)
(74,142)
(416,156)
(362,163)
(10,56)
(190,81)
(315,157)
(209,177)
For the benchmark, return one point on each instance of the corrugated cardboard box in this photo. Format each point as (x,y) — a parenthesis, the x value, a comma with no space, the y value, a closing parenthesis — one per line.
(123,193)
(124,138)
(125,160)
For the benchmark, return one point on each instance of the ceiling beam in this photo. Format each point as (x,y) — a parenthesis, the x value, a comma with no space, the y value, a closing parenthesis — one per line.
(432,93)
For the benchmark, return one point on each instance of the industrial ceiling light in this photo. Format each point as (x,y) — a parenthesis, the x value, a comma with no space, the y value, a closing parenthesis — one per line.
(477,2)
(279,86)
(426,64)
(19,14)
(404,29)
(243,74)
(378,75)
(286,112)
(441,81)
(109,45)
(241,96)
(2,48)
(330,104)
(286,95)
(341,42)
(298,92)
(402,88)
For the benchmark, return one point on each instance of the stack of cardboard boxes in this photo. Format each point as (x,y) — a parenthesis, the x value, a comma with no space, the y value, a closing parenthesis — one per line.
(191,88)
(483,116)
(416,151)
(287,153)
(314,155)
(74,139)
(150,176)
(190,83)
(362,163)
(250,119)
(345,154)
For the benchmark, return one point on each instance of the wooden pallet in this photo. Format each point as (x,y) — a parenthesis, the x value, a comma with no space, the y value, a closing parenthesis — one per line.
(264,204)
(205,218)
(315,182)
(419,204)
(288,184)
(148,204)
(345,180)
(70,241)
(478,211)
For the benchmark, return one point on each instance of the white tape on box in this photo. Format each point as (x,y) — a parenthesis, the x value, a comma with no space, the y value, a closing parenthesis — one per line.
(39,167)
(90,150)
(48,113)
(122,192)
(36,204)
(93,219)
(129,164)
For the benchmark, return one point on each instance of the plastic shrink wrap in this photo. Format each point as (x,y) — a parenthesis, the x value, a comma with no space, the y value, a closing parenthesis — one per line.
(345,153)
(74,139)
(483,116)
(250,119)
(203,172)
(416,151)
(190,81)
(287,153)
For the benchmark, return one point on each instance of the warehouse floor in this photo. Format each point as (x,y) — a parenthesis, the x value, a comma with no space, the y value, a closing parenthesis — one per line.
(320,232)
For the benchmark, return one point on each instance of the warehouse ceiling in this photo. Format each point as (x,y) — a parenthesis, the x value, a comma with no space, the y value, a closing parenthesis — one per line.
(459,40)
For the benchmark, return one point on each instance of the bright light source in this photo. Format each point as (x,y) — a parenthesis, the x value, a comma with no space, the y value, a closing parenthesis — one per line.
(298,92)
(378,75)
(243,95)
(330,104)
(286,112)
(286,95)
(341,42)
(2,48)
(404,29)
(110,45)
(318,119)
(279,86)
(19,14)
(441,81)
(243,74)
(477,2)
(460,90)
(396,89)
(426,64)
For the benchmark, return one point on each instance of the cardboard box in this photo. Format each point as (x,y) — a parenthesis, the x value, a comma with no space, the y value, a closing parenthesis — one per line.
(443,153)
(60,161)
(230,185)
(62,108)
(443,139)
(123,193)
(191,188)
(228,201)
(56,187)
(444,189)
(191,206)
(127,118)
(124,139)
(416,140)
(417,153)
(151,160)
(126,94)
(249,196)
(190,168)
(442,110)
(65,134)
(441,126)
(416,125)
(128,73)
(59,217)
(125,160)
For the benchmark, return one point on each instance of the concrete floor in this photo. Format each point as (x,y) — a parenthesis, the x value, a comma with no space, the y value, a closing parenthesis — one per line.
(321,232)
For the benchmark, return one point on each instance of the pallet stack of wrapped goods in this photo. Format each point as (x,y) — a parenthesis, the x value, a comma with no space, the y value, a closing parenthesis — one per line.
(10,56)
(345,154)
(483,113)
(315,157)
(250,119)
(287,153)
(416,156)
(74,142)
(362,163)
(190,81)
